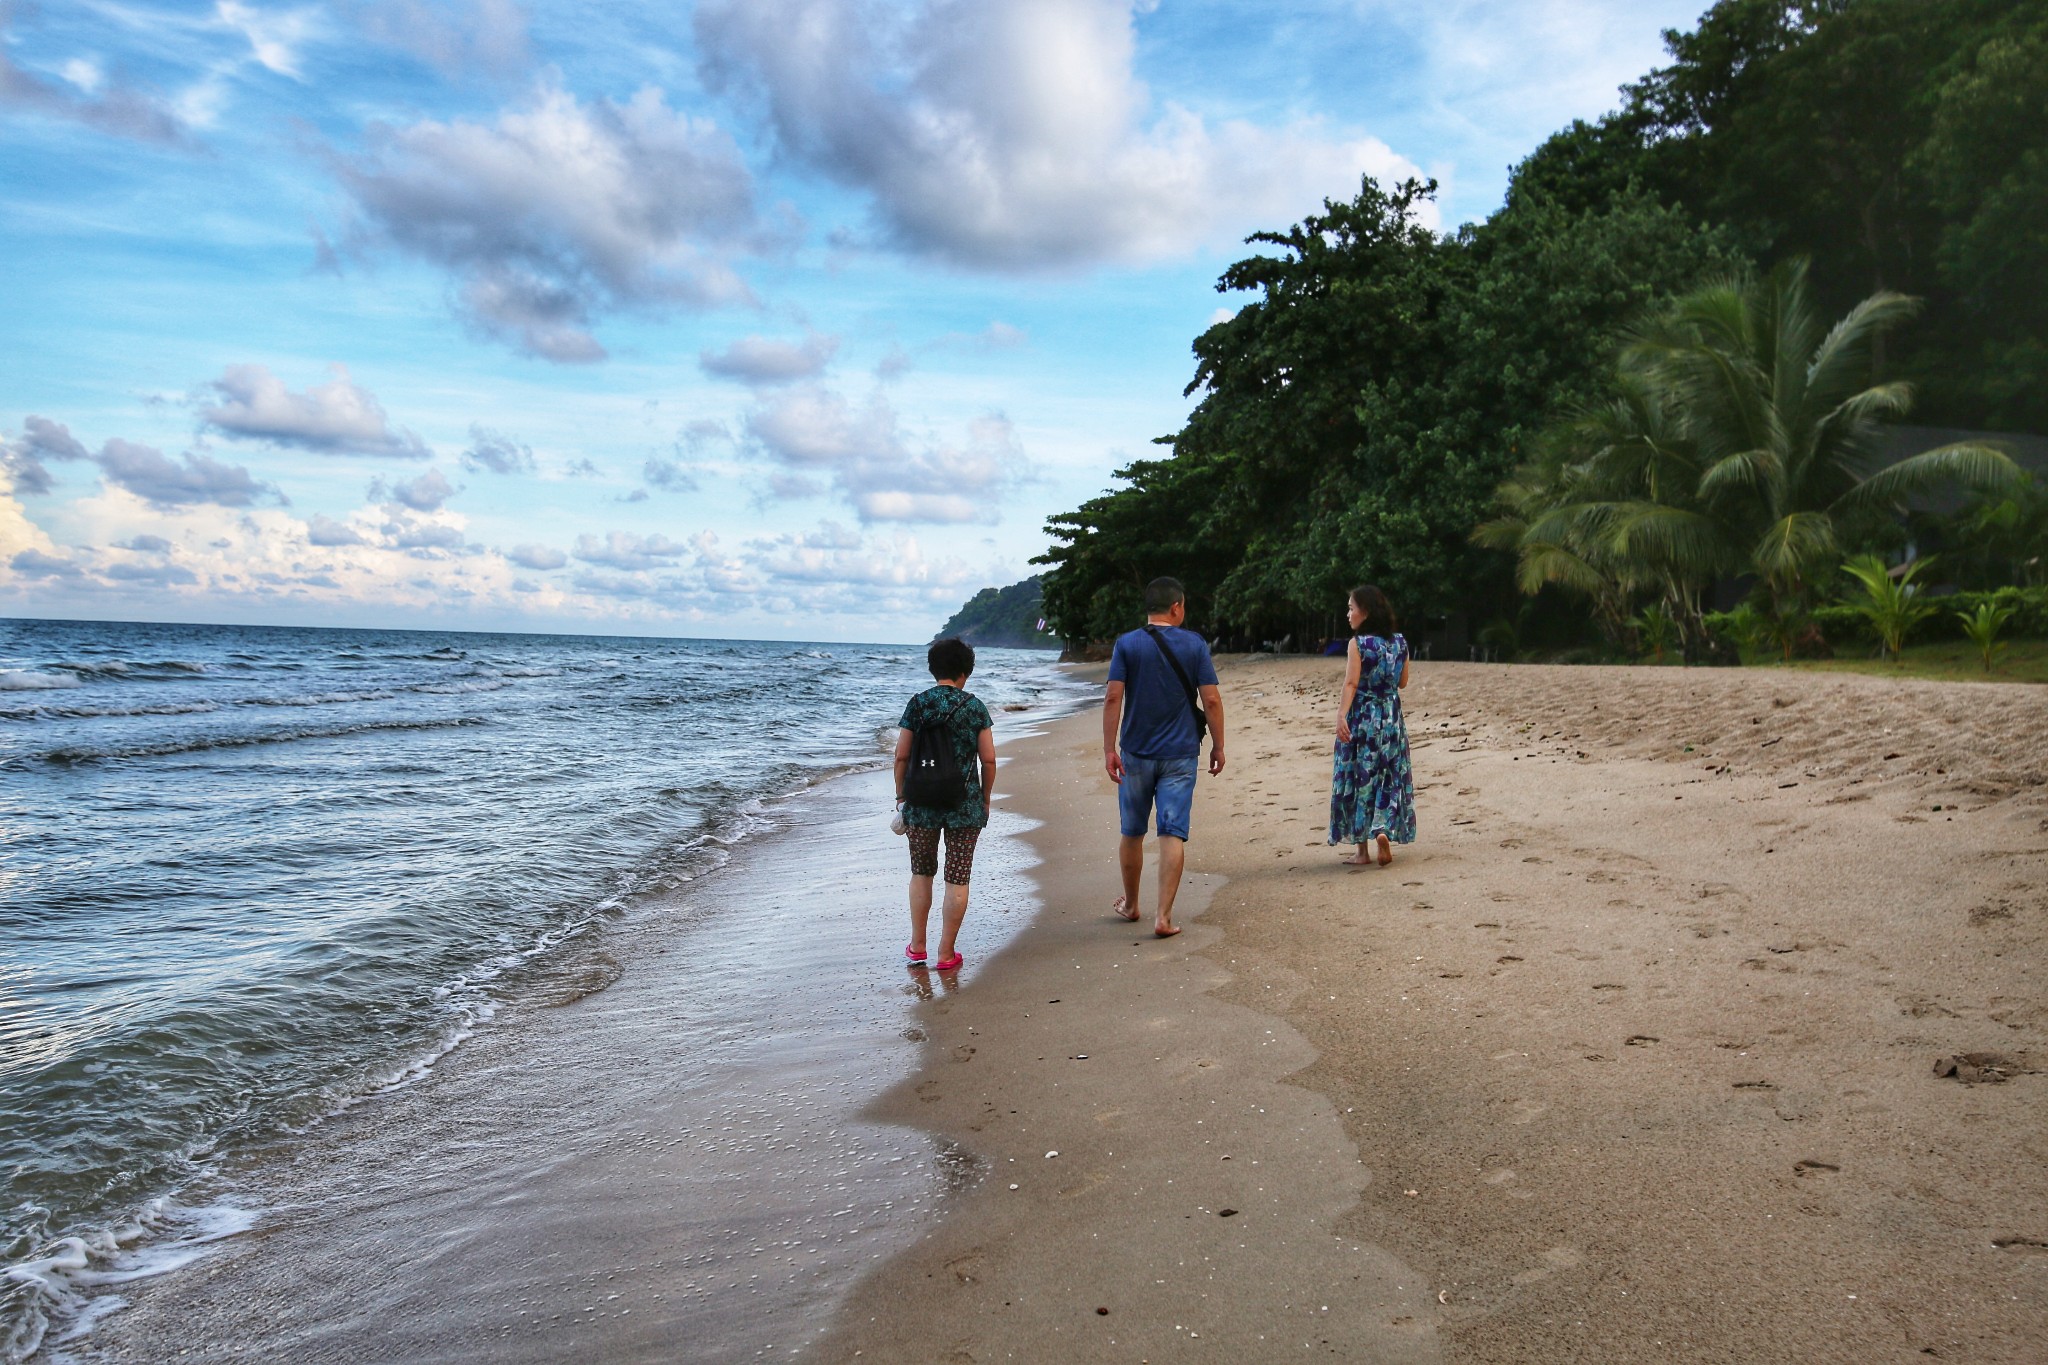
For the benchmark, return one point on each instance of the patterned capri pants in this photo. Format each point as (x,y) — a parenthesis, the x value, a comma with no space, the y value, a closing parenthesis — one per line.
(924,853)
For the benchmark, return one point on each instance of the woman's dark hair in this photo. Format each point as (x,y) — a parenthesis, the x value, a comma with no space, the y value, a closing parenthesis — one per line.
(951,657)
(1378,611)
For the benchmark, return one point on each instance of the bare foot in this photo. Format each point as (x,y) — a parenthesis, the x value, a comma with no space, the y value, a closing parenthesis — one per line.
(1358,859)
(1164,930)
(1122,909)
(1386,851)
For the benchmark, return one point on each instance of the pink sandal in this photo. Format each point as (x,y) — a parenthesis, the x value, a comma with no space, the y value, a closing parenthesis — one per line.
(948,964)
(911,955)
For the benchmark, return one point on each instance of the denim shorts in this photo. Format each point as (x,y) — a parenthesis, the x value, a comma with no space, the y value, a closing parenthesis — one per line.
(1168,782)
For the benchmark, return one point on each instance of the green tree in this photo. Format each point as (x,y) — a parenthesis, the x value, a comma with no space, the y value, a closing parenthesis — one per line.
(1742,445)
(1895,143)
(1357,414)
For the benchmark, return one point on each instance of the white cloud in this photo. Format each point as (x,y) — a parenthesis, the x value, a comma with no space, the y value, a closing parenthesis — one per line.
(406,531)
(671,476)
(21,459)
(559,211)
(115,108)
(1013,134)
(273,35)
(880,472)
(624,550)
(337,417)
(153,476)
(325,531)
(497,452)
(763,361)
(537,556)
(85,73)
(423,494)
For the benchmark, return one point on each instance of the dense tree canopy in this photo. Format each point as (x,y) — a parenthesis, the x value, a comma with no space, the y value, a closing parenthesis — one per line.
(1356,419)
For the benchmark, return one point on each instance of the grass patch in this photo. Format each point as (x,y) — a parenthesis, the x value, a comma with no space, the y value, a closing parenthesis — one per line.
(2024,661)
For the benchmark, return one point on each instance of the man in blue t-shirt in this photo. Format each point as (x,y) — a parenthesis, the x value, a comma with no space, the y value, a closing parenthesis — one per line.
(1150,743)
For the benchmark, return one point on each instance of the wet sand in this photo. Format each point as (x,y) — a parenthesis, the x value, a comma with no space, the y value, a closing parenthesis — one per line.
(653,1154)
(1632,1057)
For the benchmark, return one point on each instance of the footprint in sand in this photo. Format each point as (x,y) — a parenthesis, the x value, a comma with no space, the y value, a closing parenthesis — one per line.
(1528,1111)
(1554,1260)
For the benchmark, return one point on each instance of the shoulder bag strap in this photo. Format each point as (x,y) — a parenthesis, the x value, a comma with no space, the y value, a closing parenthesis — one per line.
(1186,685)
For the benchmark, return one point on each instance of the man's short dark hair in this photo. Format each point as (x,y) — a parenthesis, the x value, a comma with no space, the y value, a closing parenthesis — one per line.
(951,657)
(1161,594)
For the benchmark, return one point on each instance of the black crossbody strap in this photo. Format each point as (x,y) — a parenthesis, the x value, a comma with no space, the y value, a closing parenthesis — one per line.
(1186,684)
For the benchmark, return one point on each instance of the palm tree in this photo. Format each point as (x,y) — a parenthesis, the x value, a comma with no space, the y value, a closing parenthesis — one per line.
(1743,439)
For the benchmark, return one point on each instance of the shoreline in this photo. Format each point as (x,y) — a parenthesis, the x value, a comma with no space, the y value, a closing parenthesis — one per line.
(1630,1057)
(572,1183)
(1584,1075)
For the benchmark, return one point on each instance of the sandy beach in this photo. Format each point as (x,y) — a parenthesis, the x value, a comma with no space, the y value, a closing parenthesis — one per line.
(1633,1056)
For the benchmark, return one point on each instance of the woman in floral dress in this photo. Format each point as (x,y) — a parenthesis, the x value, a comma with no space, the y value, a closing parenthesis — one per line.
(1372,789)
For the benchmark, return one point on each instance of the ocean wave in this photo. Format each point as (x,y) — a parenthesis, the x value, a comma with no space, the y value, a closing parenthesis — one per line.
(30,680)
(198,743)
(52,1288)
(79,711)
(319,698)
(458,688)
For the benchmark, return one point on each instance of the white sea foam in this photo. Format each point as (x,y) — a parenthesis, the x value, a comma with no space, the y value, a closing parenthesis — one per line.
(63,1279)
(29,680)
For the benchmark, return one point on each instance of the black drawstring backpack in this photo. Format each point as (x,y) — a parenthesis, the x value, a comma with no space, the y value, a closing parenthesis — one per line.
(935,781)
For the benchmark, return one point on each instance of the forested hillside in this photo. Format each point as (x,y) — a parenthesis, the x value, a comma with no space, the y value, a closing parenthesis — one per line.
(1003,617)
(1356,419)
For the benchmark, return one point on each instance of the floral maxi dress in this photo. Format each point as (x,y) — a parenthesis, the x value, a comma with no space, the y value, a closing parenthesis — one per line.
(1372,789)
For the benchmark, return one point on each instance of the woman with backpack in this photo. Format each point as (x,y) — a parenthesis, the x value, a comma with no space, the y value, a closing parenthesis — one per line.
(1372,789)
(945,771)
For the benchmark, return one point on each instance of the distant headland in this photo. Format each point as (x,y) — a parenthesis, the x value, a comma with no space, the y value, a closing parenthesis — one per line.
(1004,618)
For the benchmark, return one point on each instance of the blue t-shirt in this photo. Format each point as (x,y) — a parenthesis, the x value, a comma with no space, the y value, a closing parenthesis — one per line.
(1157,721)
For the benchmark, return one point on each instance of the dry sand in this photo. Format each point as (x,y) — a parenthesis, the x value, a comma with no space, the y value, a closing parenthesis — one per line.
(1632,1057)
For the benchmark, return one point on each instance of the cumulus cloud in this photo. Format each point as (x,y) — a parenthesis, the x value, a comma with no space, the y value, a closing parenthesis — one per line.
(423,494)
(163,482)
(325,531)
(407,532)
(338,417)
(559,211)
(456,37)
(814,431)
(624,550)
(156,575)
(38,564)
(145,544)
(762,361)
(537,556)
(1014,134)
(497,452)
(21,459)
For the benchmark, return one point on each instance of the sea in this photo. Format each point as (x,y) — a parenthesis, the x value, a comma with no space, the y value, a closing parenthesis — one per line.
(254,877)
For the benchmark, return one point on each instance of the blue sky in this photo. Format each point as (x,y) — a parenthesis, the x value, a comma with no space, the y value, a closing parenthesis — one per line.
(752,318)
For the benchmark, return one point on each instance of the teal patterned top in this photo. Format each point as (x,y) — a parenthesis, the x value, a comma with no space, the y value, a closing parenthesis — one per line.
(966,719)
